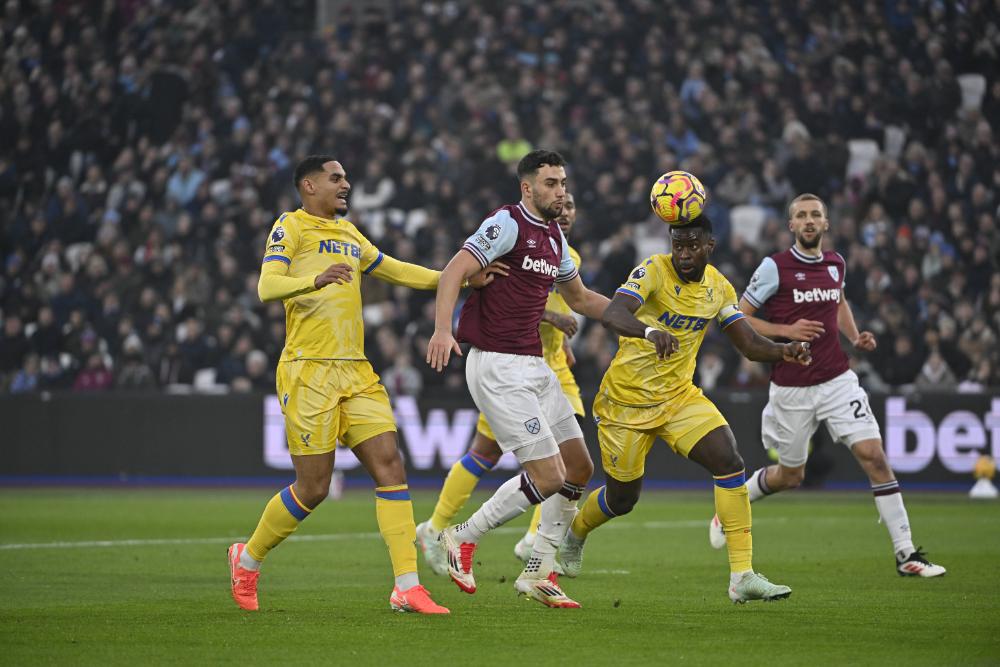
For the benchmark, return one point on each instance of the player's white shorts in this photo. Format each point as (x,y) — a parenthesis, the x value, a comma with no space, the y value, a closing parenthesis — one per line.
(793,414)
(523,402)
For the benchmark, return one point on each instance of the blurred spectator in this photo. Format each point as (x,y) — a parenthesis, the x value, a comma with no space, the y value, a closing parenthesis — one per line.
(95,376)
(935,374)
(28,378)
(401,378)
(134,372)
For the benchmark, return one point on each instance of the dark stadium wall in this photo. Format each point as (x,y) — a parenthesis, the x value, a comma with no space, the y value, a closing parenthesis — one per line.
(132,438)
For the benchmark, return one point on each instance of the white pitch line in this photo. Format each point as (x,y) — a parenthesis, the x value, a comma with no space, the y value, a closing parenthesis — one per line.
(330,537)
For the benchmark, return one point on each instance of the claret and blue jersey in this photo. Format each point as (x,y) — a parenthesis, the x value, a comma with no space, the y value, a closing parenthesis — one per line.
(504,316)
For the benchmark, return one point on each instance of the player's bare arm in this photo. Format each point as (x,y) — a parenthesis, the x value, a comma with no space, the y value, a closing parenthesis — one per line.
(461,267)
(803,330)
(755,347)
(620,317)
(565,323)
(585,301)
(861,340)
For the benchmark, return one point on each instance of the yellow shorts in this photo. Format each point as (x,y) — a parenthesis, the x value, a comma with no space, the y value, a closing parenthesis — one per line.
(329,400)
(569,387)
(626,433)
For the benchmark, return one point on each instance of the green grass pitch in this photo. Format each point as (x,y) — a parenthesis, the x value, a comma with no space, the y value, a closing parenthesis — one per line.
(139,576)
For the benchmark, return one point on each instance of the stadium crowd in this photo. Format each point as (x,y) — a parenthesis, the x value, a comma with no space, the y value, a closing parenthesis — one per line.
(146,148)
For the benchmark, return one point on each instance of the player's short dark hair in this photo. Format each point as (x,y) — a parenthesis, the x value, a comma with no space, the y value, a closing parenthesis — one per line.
(531,162)
(702,222)
(309,165)
(806,196)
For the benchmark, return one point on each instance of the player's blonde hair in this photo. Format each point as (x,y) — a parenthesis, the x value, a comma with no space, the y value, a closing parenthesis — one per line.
(806,196)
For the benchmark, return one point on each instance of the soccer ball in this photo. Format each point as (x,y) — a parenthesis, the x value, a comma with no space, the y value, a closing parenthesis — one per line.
(985,468)
(677,197)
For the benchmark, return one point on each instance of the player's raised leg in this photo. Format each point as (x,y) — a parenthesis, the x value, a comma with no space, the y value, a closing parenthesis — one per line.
(462,479)
(540,478)
(282,515)
(716,452)
(910,561)
(394,512)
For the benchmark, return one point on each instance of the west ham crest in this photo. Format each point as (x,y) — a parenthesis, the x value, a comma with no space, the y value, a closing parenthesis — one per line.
(834,273)
(555,248)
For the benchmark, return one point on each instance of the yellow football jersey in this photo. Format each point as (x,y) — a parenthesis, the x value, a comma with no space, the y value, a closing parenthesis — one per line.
(552,338)
(326,323)
(636,375)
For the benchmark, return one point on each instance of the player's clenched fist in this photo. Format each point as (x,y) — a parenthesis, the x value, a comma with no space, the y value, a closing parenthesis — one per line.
(439,350)
(865,341)
(335,273)
(798,353)
(565,323)
(666,343)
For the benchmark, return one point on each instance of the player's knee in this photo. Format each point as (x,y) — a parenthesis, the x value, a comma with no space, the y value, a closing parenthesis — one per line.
(486,448)
(580,470)
(621,502)
(792,478)
(549,482)
(312,492)
(730,462)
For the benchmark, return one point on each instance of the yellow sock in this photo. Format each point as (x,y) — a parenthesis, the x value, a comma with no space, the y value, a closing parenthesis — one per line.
(536,518)
(458,486)
(595,512)
(280,519)
(732,504)
(394,512)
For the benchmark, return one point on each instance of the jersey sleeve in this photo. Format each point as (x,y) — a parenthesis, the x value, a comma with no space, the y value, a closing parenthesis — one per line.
(730,310)
(370,256)
(568,268)
(281,242)
(763,283)
(642,282)
(494,238)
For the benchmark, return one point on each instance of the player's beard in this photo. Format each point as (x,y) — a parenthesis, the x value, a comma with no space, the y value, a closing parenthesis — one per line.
(550,212)
(809,245)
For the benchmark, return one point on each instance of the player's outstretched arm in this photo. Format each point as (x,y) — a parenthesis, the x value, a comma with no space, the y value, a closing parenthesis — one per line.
(620,317)
(585,301)
(862,340)
(397,272)
(276,284)
(755,347)
(443,343)
(804,330)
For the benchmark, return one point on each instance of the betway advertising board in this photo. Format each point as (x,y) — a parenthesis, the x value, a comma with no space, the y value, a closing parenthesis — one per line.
(932,438)
(237,438)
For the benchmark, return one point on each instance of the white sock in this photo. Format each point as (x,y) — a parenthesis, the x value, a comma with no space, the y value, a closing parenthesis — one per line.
(734,577)
(247,561)
(558,511)
(757,486)
(407,580)
(512,498)
(892,512)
